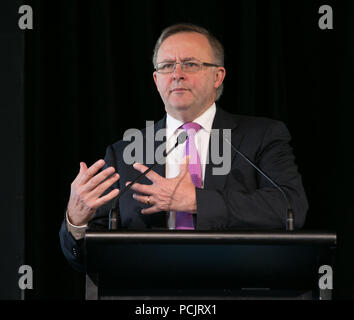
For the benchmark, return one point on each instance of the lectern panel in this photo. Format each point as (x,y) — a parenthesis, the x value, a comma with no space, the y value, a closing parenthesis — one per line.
(132,266)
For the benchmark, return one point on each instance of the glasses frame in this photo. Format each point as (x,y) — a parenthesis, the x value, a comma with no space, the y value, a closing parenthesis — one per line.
(201,63)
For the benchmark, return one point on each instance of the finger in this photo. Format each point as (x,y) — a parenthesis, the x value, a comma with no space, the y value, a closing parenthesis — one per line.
(108,197)
(143,199)
(150,210)
(83,168)
(143,188)
(101,188)
(98,178)
(90,172)
(151,175)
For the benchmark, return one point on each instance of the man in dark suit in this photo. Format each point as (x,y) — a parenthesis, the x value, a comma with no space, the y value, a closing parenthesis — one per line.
(189,74)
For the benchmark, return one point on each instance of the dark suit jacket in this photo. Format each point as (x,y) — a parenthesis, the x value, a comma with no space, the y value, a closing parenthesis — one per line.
(240,199)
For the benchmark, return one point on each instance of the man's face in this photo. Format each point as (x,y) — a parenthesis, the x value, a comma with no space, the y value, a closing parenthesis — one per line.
(187,95)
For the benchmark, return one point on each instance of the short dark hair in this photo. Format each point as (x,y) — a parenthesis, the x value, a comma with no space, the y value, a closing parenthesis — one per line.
(215,44)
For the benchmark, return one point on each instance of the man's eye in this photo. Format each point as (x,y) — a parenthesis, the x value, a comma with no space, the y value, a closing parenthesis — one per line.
(167,66)
(191,64)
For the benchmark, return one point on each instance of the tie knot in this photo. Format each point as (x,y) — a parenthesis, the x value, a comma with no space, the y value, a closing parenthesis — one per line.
(191,127)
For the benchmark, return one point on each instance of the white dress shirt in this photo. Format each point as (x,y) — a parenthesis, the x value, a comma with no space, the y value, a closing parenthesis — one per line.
(175,158)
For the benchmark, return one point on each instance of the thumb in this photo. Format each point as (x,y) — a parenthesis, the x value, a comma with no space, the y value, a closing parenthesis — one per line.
(184,166)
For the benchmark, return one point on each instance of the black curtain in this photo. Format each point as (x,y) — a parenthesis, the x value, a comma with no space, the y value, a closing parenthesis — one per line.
(88,78)
(12,238)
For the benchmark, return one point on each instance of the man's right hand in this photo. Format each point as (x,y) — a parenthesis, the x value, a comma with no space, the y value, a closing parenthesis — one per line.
(86,190)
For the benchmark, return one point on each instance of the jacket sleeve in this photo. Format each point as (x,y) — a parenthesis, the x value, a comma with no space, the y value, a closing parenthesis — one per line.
(248,200)
(72,249)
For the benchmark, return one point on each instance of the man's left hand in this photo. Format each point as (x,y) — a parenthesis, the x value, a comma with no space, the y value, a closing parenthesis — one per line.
(174,194)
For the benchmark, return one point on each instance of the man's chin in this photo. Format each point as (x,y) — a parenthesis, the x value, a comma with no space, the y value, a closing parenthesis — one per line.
(180,105)
(177,110)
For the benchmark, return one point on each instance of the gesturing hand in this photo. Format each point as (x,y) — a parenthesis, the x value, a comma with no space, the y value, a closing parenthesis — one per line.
(86,190)
(176,194)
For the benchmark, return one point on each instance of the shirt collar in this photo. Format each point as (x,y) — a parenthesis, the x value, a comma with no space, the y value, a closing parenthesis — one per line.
(205,120)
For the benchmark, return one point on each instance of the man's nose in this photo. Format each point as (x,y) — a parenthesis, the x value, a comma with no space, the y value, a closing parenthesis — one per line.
(178,72)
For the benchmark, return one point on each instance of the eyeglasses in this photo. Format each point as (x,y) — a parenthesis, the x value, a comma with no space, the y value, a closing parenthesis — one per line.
(186,66)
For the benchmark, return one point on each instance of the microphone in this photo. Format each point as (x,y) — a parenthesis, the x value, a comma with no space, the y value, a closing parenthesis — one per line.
(114,216)
(290,212)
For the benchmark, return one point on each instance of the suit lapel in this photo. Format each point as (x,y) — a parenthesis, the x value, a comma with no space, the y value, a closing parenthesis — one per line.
(151,144)
(156,220)
(222,120)
(160,168)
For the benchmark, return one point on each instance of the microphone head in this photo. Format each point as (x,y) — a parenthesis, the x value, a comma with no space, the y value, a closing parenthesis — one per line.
(182,137)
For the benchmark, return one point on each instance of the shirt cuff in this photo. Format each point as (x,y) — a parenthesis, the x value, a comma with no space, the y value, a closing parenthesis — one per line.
(78,232)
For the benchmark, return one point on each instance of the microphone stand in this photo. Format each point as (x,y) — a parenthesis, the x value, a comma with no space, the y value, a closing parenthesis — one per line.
(290,212)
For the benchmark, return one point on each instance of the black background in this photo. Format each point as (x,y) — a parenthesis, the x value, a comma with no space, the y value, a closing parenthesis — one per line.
(88,78)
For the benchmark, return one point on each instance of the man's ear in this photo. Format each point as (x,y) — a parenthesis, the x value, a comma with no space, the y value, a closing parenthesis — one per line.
(219,76)
(154,75)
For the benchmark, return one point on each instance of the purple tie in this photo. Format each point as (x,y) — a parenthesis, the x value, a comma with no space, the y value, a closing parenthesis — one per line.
(184,220)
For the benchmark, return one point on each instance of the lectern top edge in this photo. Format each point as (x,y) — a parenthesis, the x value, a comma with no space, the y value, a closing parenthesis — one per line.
(178,236)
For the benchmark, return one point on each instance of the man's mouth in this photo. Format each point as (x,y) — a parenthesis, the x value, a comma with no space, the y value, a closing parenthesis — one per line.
(179,90)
